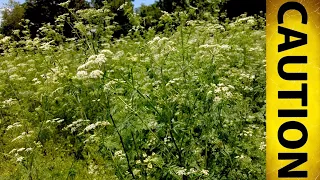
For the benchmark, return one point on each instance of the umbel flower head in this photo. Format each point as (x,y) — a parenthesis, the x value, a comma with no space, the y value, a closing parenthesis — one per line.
(82,74)
(65,4)
(96,74)
(93,61)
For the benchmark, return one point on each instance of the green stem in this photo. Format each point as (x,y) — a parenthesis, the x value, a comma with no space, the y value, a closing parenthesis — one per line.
(123,146)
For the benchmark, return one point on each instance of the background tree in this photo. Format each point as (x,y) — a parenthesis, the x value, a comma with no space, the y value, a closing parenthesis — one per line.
(41,12)
(235,8)
(11,17)
(97,3)
(172,5)
(149,14)
(44,11)
(121,18)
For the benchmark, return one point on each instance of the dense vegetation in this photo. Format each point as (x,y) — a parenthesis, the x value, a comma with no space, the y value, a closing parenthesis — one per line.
(181,98)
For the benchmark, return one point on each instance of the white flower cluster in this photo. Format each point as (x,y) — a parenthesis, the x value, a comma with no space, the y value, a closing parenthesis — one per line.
(167,139)
(264,61)
(221,91)
(52,76)
(225,47)
(18,157)
(249,20)
(191,22)
(161,46)
(93,126)
(91,139)
(262,146)
(82,74)
(166,16)
(15,77)
(119,154)
(240,157)
(148,160)
(12,70)
(118,55)
(46,45)
(205,172)
(228,122)
(108,87)
(153,124)
(252,126)
(247,133)
(22,135)
(94,61)
(218,27)
(247,88)
(93,169)
(5,39)
(96,74)
(175,81)
(76,124)
(192,41)
(14,125)
(107,52)
(136,28)
(9,102)
(65,4)
(154,40)
(56,120)
(61,18)
(152,141)
(247,76)
(122,6)
(56,73)
(182,171)
(38,144)
(256,49)
(215,48)
(20,150)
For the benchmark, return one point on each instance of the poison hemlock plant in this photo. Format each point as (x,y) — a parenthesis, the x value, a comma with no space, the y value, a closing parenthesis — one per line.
(183,104)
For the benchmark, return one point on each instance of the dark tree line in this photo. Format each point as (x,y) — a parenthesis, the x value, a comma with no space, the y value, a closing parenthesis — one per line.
(45,11)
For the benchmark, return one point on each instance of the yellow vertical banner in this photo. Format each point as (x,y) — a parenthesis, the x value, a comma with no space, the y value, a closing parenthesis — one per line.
(293,83)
